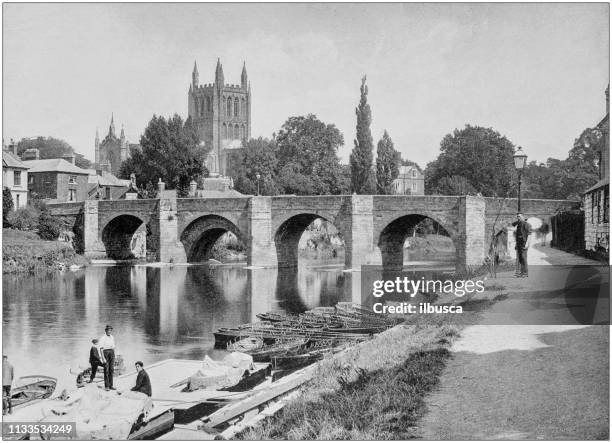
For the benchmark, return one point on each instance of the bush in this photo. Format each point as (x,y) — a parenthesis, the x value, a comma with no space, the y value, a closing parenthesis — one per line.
(7,206)
(48,227)
(24,219)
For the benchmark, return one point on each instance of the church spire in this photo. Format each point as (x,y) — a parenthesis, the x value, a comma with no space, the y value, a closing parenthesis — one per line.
(195,76)
(122,133)
(244,78)
(219,79)
(111,129)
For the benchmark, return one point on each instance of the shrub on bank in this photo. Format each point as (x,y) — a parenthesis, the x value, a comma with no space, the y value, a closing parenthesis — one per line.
(49,227)
(24,219)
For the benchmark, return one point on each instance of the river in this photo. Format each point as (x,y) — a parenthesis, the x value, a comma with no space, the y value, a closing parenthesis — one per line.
(157,312)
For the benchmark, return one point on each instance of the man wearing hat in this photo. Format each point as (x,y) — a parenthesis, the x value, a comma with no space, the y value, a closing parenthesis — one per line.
(96,359)
(107,346)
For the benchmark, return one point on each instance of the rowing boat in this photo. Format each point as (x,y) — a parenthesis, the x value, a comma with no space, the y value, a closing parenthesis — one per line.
(34,387)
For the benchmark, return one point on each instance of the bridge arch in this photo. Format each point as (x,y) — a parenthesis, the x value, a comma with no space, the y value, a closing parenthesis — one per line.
(394,234)
(288,234)
(124,237)
(201,234)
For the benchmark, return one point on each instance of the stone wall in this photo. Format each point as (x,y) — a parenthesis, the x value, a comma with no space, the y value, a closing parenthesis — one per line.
(596,233)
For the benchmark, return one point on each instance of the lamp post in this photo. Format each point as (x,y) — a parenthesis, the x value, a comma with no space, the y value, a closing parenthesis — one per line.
(520,160)
(258,176)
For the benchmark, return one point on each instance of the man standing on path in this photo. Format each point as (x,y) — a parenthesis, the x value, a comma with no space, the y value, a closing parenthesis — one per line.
(8,374)
(95,359)
(521,236)
(107,346)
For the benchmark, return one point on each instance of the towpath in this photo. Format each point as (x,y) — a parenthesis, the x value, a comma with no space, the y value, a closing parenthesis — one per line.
(509,380)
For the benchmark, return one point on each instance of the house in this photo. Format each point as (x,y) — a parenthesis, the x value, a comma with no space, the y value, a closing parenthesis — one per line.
(57,180)
(410,181)
(103,185)
(15,177)
(596,199)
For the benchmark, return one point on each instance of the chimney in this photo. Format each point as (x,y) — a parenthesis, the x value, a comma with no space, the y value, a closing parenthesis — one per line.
(13,147)
(69,157)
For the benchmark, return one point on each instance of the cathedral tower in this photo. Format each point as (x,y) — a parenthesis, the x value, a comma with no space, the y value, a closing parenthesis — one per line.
(222,115)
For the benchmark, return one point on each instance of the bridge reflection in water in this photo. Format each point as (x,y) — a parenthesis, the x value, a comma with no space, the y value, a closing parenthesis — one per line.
(156,312)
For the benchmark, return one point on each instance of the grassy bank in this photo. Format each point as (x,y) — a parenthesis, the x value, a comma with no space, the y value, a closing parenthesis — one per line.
(375,390)
(26,252)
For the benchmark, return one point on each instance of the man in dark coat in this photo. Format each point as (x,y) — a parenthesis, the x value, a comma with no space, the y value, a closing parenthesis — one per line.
(521,236)
(143,383)
(95,359)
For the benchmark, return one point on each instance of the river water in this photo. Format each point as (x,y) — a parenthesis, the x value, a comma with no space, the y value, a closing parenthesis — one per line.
(157,312)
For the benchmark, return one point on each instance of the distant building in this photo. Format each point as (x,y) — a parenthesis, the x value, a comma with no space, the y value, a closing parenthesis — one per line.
(56,180)
(105,186)
(410,181)
(596,199)
(112,151)
(222,115)
(15,177)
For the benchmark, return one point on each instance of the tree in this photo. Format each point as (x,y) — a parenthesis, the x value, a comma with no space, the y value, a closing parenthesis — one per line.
(387,164)
(50,147)
(307,154)
(7,206)
(455,185)
(361,159)
(481,156)
(257,157)
(170,151)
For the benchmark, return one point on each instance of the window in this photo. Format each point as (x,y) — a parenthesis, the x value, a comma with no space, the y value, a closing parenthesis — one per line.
(17,201)
(414,187)
(202,108)
(414,173)
(228,109)
(208,104)
(236,107)
(224,132)
(236,132)
(16,178)
(72,179)
(71,195)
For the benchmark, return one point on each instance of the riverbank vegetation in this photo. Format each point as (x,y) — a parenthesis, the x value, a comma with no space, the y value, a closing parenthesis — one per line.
(375,390)
(27,252)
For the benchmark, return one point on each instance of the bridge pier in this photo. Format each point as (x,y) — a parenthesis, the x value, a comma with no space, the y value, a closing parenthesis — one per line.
(170,249)
(359,242)
(92,244)
(261,250)
(471,241)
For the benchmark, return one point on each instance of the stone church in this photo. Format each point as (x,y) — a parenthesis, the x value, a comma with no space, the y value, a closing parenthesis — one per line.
(112,151)
(222,115)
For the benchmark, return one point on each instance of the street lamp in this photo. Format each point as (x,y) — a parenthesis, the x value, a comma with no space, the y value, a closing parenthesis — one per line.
(520,161)
(258,176)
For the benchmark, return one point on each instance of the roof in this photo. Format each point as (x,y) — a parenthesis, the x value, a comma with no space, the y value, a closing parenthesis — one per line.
(106,179)
(10,160)
(599,184)
(54,165)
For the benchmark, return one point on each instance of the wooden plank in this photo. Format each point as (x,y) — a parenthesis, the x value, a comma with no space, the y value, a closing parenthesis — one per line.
(236,409)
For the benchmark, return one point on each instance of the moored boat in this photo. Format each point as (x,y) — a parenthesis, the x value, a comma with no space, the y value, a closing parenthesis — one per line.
(32,387)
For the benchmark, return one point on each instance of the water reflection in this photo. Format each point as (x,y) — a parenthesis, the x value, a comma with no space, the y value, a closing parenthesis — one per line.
(156,312)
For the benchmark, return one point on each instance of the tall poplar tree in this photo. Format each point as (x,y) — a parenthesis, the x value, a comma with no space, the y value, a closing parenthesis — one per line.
(387,165)
(361,160)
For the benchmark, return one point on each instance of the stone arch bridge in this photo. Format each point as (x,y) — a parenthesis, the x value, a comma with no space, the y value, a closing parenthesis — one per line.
(373,227)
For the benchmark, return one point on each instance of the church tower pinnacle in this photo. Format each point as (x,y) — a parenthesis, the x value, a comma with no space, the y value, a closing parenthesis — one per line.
(111,129)
(219,79)
(195,77)
(244,78)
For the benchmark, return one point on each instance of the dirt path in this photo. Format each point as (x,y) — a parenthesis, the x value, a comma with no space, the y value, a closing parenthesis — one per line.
(524,382)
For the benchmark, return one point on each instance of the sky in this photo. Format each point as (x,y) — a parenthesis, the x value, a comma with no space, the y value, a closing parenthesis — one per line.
(535,72)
